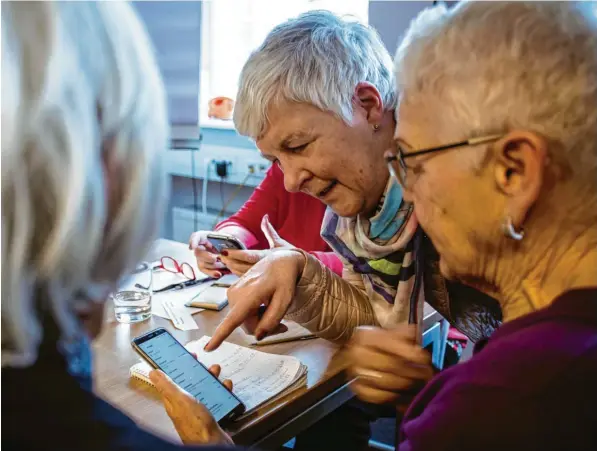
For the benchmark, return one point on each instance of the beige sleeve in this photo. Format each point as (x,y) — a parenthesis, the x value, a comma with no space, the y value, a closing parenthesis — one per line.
(328,305)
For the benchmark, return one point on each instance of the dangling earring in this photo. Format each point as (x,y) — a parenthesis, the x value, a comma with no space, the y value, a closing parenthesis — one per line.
(510,231)
(375,127)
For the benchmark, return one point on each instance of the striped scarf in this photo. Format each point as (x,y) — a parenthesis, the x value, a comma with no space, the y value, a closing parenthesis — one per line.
(380,249)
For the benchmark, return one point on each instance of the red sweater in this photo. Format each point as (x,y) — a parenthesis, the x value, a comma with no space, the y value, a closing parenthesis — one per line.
(296,216)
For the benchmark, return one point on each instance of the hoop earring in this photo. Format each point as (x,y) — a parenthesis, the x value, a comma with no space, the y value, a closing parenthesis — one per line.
(511,232)
(376,127)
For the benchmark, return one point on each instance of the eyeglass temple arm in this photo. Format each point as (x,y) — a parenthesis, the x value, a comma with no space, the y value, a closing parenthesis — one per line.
(468,142)
(483,139)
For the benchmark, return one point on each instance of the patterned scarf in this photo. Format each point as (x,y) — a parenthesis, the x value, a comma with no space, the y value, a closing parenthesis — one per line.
(379,248)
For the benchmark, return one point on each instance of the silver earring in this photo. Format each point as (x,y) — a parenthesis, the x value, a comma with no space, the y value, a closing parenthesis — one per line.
(376,127)
(511,232)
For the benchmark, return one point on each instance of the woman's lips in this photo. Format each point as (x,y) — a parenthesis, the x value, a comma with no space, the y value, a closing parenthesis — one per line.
(327,190)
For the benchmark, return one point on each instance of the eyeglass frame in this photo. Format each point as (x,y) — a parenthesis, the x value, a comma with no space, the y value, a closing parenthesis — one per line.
(178,267)
(400,156)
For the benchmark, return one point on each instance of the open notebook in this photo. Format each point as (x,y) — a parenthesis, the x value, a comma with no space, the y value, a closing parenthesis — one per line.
(258,378)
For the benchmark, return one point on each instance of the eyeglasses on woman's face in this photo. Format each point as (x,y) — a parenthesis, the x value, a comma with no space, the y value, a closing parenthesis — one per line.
(396,159)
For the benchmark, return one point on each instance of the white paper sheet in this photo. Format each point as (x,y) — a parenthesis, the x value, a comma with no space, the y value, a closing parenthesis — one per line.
(180,317)
(177,297)
(256,376)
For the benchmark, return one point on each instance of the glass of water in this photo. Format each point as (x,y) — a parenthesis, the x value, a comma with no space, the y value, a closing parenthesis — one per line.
(132,303)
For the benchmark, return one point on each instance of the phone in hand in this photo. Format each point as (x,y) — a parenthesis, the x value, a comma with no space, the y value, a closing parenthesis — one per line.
(162,351)
(221,242)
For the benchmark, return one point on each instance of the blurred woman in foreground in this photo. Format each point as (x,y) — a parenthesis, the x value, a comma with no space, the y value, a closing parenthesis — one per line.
(83,124)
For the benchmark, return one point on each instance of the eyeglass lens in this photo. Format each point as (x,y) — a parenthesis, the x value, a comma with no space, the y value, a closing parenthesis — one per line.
(187,271)
(170,264)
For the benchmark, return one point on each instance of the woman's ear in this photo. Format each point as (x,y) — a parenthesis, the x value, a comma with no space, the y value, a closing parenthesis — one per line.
(520,162)
(367,97)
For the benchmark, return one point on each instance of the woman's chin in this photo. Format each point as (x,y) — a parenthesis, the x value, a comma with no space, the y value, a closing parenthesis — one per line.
(344,209)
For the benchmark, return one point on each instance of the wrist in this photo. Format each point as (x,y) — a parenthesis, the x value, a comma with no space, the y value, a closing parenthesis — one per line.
(300,260)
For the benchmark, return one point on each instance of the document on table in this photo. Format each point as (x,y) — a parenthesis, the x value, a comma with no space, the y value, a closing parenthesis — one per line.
(257,377)
(180,317)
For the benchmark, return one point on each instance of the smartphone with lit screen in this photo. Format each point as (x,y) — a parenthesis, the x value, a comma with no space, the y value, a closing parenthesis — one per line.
(162,351)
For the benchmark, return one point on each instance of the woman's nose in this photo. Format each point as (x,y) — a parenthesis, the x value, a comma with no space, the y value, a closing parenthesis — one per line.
(294,177)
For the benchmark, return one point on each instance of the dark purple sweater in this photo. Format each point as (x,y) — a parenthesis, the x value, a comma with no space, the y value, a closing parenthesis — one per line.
(533,386)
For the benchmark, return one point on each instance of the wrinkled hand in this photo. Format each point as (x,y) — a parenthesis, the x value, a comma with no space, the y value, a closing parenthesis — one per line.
(272,283)
(391,367)
(193,422)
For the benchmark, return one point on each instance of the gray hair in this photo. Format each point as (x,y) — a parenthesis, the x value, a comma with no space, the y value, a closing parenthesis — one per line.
(498,66)
(83,99)
(316,58)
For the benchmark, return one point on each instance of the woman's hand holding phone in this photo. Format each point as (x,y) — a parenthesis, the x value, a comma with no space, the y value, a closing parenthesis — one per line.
(238,261)
(192,420)
(208,260)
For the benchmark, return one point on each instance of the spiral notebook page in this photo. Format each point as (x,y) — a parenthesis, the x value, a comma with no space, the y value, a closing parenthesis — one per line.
(257,377)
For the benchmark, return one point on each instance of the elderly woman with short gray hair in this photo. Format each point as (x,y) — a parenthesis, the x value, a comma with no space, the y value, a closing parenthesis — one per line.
(497,149)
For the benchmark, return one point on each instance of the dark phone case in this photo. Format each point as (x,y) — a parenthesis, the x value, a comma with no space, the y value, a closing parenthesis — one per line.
(221,244)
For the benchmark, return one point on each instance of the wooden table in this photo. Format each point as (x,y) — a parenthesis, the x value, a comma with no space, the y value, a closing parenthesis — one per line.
(326,389)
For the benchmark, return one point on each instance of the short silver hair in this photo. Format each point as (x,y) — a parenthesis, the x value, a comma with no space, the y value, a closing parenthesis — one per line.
(83,94)
(499,66)
(317,58)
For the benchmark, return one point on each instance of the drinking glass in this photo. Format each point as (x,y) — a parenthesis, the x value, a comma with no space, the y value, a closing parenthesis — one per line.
(132,303)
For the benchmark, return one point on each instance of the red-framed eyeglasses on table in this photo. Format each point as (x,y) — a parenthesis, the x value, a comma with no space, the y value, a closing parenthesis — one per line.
(172,265)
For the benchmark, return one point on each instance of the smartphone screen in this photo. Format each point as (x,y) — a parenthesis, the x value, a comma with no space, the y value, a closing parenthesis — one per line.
(173,359)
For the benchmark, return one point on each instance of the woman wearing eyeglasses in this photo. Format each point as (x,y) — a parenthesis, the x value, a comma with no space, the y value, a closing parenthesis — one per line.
(497,149)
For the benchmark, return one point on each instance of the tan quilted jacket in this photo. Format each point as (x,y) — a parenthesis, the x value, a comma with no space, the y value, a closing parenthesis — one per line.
(332,306)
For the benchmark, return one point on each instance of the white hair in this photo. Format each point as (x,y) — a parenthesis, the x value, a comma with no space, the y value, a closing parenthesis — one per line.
(316,58)
(500,66)
(83,125)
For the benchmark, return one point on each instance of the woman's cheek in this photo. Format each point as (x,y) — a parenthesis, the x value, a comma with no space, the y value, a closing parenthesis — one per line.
(430,214)
(421,202)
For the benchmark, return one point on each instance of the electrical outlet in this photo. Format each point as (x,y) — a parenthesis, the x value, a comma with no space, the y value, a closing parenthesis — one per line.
(257,167)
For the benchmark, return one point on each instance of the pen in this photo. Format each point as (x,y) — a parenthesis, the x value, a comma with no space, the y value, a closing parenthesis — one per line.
(285,340)
(181,285)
